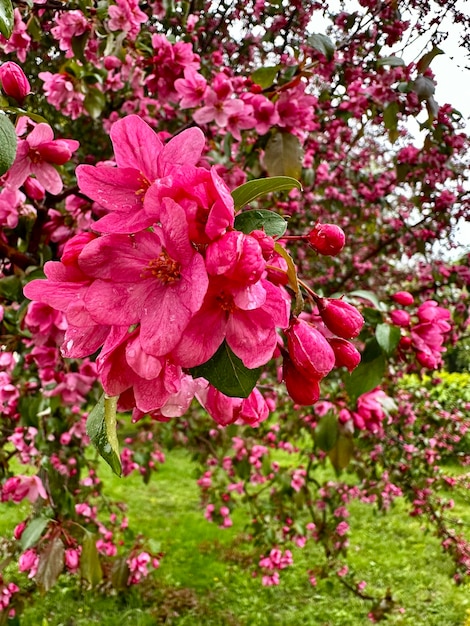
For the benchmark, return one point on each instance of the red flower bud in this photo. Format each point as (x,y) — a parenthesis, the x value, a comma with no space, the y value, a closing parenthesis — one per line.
(309,350)
(56,151)
(302,390)
(340,317)
(14,82)
(403,297)
(400,318)
(346,354)
(327,239)
(34,189)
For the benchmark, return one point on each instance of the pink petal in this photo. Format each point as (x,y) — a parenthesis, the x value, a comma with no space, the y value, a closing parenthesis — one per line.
(113,188)
(40,133)
(136,145)
(48,176)
(115,304)
(183,149)
(252,337)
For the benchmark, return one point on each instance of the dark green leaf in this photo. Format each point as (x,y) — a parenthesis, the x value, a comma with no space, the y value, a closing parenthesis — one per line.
(283,155)
(8,142)
(78,45)
(292,276)
(365,377)
(33,532)
(90,566)
(101,428)
(323,44)
(326,433)
(94,102)
(372,316)
(120,574)
(10,288)
(342,453)
(388,337)
(34,116)
(265,76)
(226,372)
(7,19)
(426,59)
(392,61)
(254,189)
(273,224)
(51,564)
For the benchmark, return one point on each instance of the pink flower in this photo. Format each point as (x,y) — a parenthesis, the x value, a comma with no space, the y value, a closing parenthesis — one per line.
(141,160)
(246,317)
(155,278)
(69,24)
(72,560)
(28,562)
(126,15)
(191,88)
(37,155)
(20,487)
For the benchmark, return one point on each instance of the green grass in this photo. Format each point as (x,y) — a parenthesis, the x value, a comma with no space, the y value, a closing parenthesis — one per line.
(205,578)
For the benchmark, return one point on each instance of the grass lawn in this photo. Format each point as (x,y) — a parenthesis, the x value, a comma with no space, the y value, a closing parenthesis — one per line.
(205,576)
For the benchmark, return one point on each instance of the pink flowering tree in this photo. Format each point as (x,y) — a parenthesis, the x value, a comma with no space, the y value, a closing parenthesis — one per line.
(229,237)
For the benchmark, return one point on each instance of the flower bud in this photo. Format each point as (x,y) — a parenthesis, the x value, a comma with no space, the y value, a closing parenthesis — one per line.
(302,390)
(327,239)
(34,189)
(341,318)
(56,151)
(346,355)
(14,82)
(400,318)
(403,297)
(309,350)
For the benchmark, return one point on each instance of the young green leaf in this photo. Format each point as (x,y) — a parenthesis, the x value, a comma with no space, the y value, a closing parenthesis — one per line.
(7,19)
(8,143)
(365,377)
(101,428)
(254,189)
(388,337)
(33,532)
(90,565)
(226,372)
(342,453)
(323,44)
(283,155)
(271,223)
(265,76)
(326,433)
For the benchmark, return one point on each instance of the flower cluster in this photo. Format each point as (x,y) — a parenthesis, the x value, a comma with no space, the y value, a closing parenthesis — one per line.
(167,280)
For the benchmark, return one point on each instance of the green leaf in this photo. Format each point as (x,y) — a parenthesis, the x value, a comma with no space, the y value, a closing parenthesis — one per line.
(8,142)
(50,564)
(342,453)
(391,120)
(101,428)
(292,276)
(33,532)
(392,61)
(7,19)
(10,288)
(366,295)
(94,102)
(90,566)
(226,372)
(283,155)
(323,44)
(371,316)
(326,432)
(120,574)
(365,377)
(273,224)
(388,337)
(265,76)
(254,189)
(34,116)
(78,45)
(426,59)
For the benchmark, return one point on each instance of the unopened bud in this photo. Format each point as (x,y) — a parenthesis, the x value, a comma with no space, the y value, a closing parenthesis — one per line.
(309,350)
(346,354)
(34,189)
(14,82)
(327,239)
(302,390)
(403,297)
(400,318)
(340,317)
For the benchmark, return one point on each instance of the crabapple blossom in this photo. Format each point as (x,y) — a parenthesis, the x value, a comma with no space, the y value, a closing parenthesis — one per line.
(14,81)
(340,317)
(327,239)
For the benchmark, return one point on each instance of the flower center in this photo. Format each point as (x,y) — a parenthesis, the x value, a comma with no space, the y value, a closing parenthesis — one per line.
(225,301)
(164,268)
(144,185)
